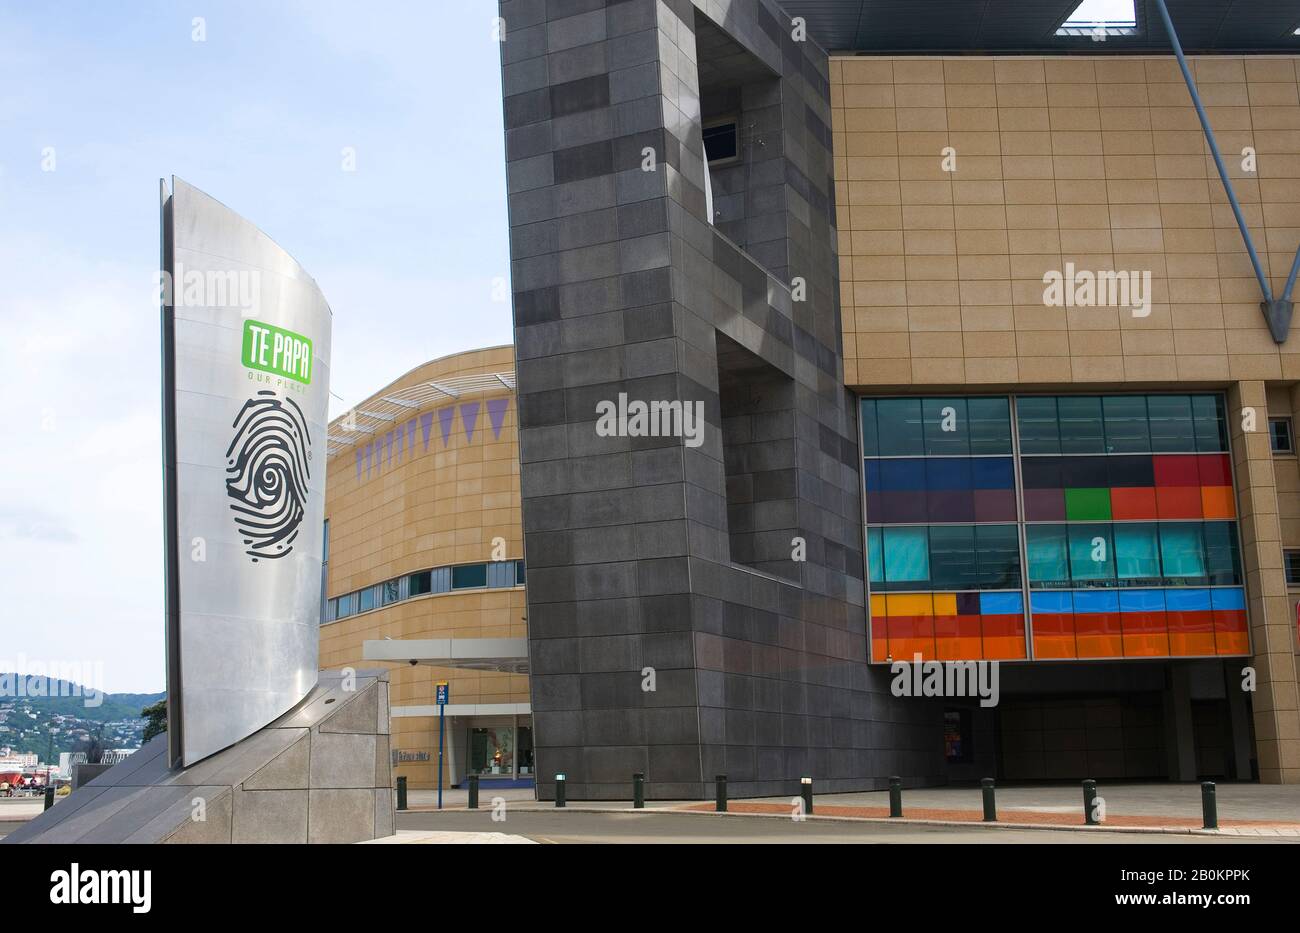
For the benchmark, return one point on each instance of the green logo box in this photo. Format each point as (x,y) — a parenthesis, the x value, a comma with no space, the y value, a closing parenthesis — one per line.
(277,351)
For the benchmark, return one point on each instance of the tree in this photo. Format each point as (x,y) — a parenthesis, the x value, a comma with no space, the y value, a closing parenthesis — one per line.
(155,719)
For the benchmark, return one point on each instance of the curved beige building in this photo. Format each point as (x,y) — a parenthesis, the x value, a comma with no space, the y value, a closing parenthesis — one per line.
(424,563)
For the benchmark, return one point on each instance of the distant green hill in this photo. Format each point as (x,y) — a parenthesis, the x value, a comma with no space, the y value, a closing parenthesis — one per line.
(57,700)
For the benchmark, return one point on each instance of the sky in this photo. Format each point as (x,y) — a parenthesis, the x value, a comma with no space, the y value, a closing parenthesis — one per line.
(98,101)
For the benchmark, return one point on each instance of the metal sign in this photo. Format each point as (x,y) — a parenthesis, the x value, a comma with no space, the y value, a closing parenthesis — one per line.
(442,694)
(246,349)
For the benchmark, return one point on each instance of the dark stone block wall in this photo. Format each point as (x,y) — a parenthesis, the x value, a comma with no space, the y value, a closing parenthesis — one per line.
(642,551)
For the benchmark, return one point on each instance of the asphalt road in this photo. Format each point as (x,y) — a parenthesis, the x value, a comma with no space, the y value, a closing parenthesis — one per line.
(571,826)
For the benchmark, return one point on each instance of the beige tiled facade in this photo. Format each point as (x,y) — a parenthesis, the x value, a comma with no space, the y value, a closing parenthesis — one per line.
(433,508)
(1099,162)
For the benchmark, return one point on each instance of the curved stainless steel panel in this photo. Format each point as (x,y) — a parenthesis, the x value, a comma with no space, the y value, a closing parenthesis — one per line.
(248,333)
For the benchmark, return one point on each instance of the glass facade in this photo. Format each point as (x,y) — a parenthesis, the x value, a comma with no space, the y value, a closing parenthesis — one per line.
(1051,527)
(496,575)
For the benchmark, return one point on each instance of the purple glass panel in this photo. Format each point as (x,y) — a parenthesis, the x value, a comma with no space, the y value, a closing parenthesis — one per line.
(1044,505)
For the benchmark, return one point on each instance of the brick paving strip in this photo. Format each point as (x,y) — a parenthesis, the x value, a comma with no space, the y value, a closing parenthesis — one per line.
(1009,817)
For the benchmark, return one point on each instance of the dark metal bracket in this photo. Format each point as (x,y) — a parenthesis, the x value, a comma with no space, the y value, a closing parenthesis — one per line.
(1277,311)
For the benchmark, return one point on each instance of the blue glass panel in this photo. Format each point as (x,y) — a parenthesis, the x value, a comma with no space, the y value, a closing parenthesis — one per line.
(875,556)
(993,473)
(947,473)
(951,412)
(1096,601)
(902,475)
(1050,601)
(1233,598)
(1002,604)
(898,421)
(869,446)
(1092,555)
(1141,600)
(1181,600)
(1045,548)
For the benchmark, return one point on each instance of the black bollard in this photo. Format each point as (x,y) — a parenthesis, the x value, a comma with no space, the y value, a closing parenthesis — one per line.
(473,791)
(401,792)
(1209,805)
(805,788)
(638,790)
(1090,803)
(895,797)
(49,796)
(720,783)
(559,790)
(990,802)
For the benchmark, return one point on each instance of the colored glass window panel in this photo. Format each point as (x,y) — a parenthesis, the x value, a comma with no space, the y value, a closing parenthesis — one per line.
(1230,636)
(1208,423)
(870,446)
(1087,505)
(875,556)
(946,426)
(1127,429)
(1047,551)
(952,556)
(1218,502)
(990,425)
(1130,472)
(1142,615)
(1191,622)
(907,555)
(898,423)
(1084,472)
(1091,553)
(1052,614)
(1133,504)
(997,557)
(1222,555)
(1137,552)
(468,576)
(1170,417)
(1038,425)
(1176,471)
(1182,553)
(1214,470)
(1081,424)
(1098,632)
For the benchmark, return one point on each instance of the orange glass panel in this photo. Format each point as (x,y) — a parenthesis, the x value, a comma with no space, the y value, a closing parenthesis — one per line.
(1146,634)
(1054,635)
(1218,502)
(1004,637)
(1191,634)
(1230,632)
(1098,635)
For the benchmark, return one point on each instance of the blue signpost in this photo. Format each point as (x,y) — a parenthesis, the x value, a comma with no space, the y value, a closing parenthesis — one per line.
(441,694)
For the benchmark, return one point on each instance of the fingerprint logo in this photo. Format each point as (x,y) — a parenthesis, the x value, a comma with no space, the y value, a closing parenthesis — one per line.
(267,473)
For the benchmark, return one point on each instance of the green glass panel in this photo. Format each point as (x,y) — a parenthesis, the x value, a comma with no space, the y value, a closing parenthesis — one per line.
(1087,505)
(1207,421)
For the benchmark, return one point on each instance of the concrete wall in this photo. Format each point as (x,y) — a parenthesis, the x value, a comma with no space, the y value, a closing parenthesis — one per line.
(621,285)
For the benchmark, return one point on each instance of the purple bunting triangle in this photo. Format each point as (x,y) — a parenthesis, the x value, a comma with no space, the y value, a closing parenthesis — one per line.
(426,424)
(445,416)
(469,416)
(359,454)
(497,415)
(370,451)
(388,443)
(410,435)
